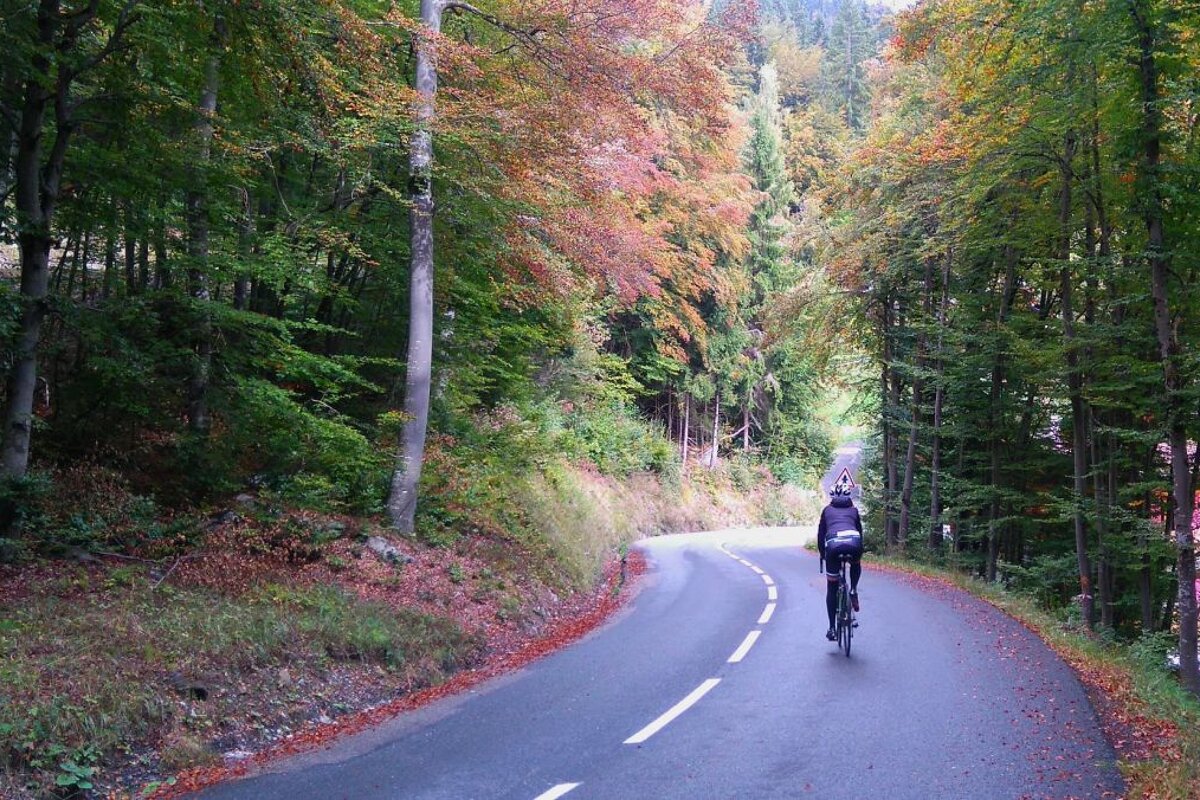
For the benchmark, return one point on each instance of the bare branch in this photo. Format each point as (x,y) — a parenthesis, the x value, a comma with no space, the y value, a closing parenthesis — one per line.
(124,20)
(531,37)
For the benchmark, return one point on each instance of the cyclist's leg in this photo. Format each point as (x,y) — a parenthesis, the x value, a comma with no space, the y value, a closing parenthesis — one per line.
(832,564)
(855,573)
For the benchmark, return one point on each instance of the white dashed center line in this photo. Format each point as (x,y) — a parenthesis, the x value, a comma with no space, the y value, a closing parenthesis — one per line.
(745,646)
(673,712)
(556,792)
(683,705)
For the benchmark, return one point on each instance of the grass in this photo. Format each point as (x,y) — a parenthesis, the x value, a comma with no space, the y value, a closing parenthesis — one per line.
(583,518)
(88,667)
(1146,696)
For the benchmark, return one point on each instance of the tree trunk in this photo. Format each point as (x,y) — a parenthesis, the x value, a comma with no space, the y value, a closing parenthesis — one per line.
(10,90)
(241,283)
(196,203)
(37,188)
(687,418)
(109,283)
(890,391)
(1152,208)
(716,430)
(914,428)
(402,501)
(995,398)
(131,281)
(939,395)
(746,427)
(1079,444)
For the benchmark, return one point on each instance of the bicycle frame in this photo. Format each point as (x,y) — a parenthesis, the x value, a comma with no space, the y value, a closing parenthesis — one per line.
(844,618)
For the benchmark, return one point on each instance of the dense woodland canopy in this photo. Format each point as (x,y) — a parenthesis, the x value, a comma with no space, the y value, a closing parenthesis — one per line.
(662,231)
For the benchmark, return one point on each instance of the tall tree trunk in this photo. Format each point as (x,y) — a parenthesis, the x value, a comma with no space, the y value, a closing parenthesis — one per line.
(914,429)
(131,282)
(402,501)
(939,395)
(1079,443)
(10,92)
(1165,326)
(241,283)
(162,269)
(995,397)
(109,282)
(687,418)
(37,188)
(198,416)
(890,398)
(716,430)
(78,263)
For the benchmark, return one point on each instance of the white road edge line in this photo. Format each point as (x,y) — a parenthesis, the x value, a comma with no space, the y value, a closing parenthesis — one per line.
(772,593)
(744,647)
(675,710)
(556,792)
(756,569)
(767,580)
(766,614)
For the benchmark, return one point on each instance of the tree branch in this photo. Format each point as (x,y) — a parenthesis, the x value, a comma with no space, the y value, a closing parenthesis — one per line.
(124,20)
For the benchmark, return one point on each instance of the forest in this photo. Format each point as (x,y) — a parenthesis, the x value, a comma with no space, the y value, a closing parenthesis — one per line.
(488,272)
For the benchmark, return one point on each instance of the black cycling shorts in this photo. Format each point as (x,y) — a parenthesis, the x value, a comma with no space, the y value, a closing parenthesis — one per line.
(833,564)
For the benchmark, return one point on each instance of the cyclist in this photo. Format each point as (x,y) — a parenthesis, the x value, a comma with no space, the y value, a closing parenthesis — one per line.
(839,536)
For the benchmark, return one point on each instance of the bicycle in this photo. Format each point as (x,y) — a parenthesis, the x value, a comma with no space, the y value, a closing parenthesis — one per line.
(844,621)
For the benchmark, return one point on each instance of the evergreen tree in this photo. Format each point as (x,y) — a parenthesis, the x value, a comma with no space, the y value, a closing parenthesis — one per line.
(849,44)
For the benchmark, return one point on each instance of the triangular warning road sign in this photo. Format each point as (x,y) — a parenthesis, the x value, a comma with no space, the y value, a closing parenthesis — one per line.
(845,479)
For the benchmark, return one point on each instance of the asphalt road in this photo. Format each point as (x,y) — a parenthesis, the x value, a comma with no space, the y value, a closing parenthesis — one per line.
(716,682)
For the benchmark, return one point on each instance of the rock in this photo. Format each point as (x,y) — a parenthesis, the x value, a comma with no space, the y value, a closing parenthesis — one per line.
(187,688)
(223,518)
(285,677)
(388,551)
(82,556)
(247,500)
(233,756)
(325,719)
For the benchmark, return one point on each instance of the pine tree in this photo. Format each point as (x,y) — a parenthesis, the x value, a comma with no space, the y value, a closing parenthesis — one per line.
(849,44)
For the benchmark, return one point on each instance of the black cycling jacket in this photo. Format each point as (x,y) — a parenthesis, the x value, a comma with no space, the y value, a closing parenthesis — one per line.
(839,515)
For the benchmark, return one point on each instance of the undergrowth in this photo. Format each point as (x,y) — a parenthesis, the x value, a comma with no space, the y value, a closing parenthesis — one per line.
(97,661)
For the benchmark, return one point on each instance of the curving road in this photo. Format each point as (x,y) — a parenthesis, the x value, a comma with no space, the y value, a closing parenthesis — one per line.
(716,682)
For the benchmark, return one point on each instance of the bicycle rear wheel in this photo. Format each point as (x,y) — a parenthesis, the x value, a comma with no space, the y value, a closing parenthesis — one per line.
(845,625)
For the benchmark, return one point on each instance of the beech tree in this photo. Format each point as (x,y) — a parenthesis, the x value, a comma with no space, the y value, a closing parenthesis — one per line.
(60,49)
(568,50)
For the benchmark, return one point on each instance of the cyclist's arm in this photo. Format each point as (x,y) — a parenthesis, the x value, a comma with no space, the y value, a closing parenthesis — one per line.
(821,535)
